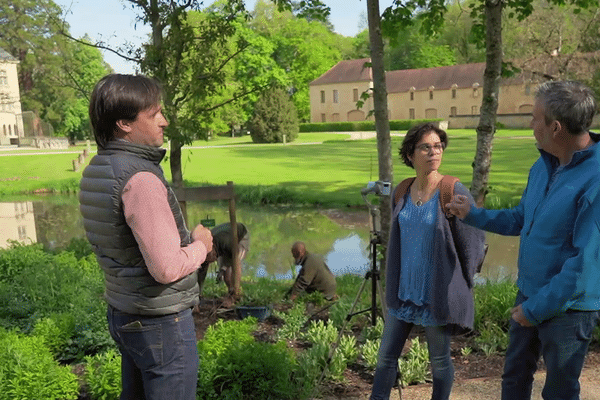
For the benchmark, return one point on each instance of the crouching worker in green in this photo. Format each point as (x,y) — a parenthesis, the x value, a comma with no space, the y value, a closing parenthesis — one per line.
(136,228)
(313,276)
(222,252)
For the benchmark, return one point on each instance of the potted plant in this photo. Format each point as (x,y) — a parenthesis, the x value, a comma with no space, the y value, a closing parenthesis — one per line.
(257,301)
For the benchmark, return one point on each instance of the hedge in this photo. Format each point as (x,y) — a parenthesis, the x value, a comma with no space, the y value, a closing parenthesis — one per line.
(360,126)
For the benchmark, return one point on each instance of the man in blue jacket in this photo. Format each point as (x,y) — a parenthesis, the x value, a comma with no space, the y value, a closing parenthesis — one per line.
(558,220)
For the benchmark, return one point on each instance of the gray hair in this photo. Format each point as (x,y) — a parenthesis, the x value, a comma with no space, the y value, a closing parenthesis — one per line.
(569,102)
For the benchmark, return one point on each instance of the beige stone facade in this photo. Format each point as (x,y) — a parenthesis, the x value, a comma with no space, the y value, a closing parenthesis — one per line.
(11,121)
(451,93)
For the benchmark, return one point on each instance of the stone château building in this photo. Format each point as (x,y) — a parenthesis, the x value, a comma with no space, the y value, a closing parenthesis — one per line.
(452,93)
(11,119)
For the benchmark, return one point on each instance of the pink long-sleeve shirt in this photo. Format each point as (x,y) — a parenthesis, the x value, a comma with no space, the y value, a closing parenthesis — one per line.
(149,216)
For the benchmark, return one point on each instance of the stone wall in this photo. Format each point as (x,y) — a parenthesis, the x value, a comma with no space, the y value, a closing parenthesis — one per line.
(44,142)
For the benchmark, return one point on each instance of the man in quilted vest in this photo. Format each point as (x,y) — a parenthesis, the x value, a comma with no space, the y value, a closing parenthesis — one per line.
(136,228)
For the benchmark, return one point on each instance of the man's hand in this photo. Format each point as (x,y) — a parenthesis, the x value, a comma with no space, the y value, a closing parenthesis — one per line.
(459,206)
(519,316)
(203,234)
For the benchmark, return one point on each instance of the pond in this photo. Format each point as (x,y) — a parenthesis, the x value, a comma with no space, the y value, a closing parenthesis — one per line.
(341,235)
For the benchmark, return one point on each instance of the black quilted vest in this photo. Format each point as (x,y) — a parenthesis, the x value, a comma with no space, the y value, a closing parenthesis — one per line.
(129,286)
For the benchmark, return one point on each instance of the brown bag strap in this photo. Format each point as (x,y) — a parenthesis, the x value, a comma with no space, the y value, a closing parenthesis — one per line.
(447,191)
(446,187)
(402,188)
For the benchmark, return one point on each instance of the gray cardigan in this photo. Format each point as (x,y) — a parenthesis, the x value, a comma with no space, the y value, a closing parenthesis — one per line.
(458,249)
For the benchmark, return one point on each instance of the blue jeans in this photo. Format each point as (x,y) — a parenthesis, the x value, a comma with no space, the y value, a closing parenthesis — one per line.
(159,355)
(563,342)
(395,333)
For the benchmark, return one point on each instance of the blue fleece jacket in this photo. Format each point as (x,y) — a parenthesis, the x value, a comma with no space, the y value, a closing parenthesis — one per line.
(558,219)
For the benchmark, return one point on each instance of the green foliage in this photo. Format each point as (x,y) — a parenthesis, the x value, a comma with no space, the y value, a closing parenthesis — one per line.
(103,375)
(44,285)
(274,118)
(293,321)
(263,195)
(414,365)
(493,302)
(339,311)
(349,348)
(359,126)
(235,366)
(319,332)
(373,332)
(56,75)
(492,338)
(262,292)
(28,371)
(369,351)
(55,330)
(303,48)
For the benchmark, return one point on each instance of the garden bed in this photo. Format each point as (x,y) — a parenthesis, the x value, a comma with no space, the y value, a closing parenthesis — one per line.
(357,378)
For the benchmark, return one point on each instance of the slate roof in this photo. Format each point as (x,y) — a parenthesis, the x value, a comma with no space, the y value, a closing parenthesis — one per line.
(464,76)
(346,71)
(4,56)
(401,81)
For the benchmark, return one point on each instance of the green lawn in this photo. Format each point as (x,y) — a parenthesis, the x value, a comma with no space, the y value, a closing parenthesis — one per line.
(331,173)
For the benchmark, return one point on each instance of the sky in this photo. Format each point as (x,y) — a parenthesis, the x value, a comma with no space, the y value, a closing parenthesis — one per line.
(115,23)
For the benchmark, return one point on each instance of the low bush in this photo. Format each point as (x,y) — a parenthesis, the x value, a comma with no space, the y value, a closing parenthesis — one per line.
(493,302)
(103,375)
(55,330)
(28,370)
(358,126)
(234,366)
(45,285)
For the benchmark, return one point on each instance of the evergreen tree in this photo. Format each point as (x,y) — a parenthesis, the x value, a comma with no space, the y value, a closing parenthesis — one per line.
(274,116)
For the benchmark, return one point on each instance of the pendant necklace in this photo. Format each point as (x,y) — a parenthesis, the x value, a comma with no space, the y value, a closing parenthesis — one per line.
(419,202)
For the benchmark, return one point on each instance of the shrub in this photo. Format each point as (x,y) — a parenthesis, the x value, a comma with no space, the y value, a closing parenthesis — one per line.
(359,126)
(493,302)
(44,285)
(28,371)
(274,116)
(103,375)
(55,331)
(234,366)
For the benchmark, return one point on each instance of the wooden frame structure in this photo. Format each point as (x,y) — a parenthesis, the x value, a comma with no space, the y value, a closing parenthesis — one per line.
(225,192)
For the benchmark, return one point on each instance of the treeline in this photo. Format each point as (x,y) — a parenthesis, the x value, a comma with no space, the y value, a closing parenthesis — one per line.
(251,53)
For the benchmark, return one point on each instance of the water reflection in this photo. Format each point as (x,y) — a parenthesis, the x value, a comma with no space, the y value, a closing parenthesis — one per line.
(18,223)
(341,236)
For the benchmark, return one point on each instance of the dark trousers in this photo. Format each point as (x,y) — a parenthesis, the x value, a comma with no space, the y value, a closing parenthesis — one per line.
(563,342)
(159,355)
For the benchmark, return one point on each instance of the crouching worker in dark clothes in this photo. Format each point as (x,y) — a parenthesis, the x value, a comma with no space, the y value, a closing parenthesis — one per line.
(313,276)
(222,252)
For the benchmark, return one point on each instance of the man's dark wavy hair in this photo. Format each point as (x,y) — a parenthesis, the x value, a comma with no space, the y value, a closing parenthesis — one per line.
(118,97)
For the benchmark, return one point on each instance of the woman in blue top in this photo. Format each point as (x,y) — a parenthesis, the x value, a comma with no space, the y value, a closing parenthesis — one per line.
(431,261)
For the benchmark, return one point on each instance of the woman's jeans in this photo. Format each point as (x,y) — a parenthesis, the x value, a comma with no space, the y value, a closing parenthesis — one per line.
(395,333)
(563,342)
(159,355)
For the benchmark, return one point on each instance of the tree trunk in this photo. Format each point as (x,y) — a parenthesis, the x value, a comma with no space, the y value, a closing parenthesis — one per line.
(489,102)
(382,124)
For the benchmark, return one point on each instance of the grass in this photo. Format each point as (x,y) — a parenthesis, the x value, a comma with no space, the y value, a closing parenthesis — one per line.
(331,173)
